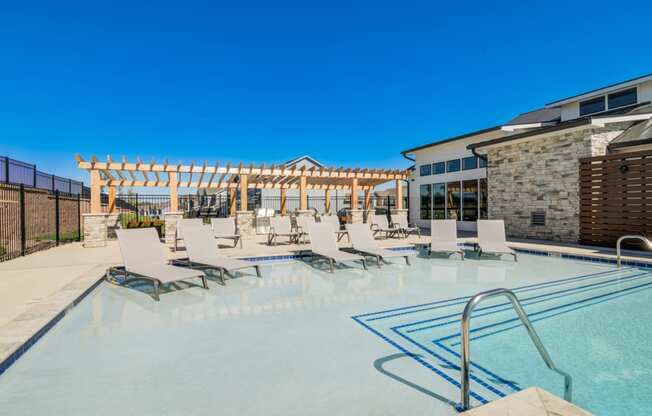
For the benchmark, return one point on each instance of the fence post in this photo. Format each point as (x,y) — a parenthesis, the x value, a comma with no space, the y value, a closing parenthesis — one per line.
(137,209)
(57,217)
(23,237)
(79,216)
(34,176)
(6,169)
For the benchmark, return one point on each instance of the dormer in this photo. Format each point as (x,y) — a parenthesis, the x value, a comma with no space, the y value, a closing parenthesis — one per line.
(607,99)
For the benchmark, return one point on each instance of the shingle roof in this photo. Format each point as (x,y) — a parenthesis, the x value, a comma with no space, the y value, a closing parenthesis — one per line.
(639,133)
(541,115)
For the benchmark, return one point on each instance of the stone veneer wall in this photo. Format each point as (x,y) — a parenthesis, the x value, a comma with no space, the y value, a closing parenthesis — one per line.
(542,175)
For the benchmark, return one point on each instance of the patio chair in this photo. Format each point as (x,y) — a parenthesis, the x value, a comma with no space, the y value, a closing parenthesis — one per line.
(379,224)
(303,224)
(443,237)
(334,221)
(281,227)
(225,228)
(144,259)
(365,244)
(203,252)
(188,222)
(400,221)
(491,238)
(323,244)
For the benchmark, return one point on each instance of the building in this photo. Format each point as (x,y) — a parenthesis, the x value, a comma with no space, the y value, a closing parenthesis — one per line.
(533,162)
(449,181)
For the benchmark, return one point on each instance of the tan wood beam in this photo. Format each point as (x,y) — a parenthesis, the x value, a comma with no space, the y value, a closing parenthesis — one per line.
(96,192)
(399,194)
(327,200)
(367,199)
(354,193)
(243,192)
(232,202)
(303,195)
(284,200)
(173,186)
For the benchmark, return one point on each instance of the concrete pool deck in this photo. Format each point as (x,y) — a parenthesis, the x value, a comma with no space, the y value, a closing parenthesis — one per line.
(35,289)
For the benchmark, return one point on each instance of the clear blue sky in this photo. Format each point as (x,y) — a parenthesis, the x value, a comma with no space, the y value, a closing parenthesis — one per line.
(350,83)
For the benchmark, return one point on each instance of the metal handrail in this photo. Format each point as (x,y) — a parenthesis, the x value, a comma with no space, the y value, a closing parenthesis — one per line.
(630,237)
(466,345)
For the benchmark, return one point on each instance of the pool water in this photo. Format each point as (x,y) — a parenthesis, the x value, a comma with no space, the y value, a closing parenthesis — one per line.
(286,344)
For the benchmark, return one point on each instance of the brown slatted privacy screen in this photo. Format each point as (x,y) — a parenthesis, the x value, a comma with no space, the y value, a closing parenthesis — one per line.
(615,197)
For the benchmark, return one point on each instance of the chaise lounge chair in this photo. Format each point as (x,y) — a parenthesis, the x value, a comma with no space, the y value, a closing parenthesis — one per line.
(323,244)
(365,244)
(188,222)
(281,227)
(144,259)
(334,221)
(303,225)
(225,228)
(443,237)
(379,224)
(203,253)
(400,221)
(491,238)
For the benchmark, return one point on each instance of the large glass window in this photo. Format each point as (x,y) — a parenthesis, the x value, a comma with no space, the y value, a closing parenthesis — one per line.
(469,163)
(594,105)
(425,170)
(453,200)
(438,168)
(483,199)
(425,201)
(622,98)
(470,200)
(439,201)
(453,165)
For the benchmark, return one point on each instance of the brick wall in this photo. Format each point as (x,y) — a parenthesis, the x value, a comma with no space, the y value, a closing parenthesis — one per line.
(542,175)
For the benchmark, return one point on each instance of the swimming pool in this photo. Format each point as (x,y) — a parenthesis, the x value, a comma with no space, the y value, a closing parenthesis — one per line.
(287,343)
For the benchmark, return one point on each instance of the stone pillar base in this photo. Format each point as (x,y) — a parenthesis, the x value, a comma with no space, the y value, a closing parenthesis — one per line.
(111,225)
(396,212)
(244,223)
(171,220)
(354,216)
(95,230)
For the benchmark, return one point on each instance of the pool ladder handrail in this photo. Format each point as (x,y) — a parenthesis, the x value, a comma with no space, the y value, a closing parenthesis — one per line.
(630,237)
(466,342)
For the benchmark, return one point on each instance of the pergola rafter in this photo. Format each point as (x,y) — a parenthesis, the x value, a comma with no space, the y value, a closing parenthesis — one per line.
(232,176)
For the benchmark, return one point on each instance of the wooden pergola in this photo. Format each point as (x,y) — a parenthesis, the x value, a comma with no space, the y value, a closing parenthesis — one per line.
(231,176)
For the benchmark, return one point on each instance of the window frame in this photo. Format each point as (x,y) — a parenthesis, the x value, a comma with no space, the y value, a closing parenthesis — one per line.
(421,168)
(591,101)
(621,94)
(475,158)
(442,164)
(459,165)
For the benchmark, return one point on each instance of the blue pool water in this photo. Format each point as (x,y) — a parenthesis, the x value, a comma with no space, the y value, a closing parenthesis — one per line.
(596,326)
(285,344)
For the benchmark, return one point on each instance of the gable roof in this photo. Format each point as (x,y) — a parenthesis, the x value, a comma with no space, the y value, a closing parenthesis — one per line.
(541,115)
(304,157)
(602,90)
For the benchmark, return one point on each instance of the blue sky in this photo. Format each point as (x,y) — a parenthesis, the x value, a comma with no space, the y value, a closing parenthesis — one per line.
(350,83)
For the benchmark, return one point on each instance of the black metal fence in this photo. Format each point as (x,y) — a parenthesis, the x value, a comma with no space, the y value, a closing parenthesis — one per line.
(35,219)
(21,173)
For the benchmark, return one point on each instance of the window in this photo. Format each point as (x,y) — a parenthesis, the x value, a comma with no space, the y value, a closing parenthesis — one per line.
(453,165)
(439,201)
(453,200)
(592,106)
(483,199)
(425,200)
(622,98)
(470,200)
(469,163)
(483,162)
(425,170)
(438,168)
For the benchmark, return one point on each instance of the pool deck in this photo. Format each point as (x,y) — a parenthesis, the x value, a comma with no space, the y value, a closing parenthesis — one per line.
(37,288)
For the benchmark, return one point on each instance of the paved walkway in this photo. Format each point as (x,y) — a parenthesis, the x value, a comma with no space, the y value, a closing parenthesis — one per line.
(35,288)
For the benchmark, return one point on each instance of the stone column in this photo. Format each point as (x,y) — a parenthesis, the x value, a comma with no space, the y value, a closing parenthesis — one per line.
(171,220)
(355,216)
(368,213)
(95,230)
(399,211)
(111,225)
(244,223)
